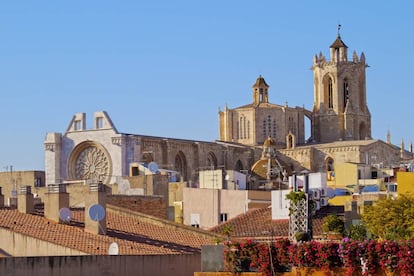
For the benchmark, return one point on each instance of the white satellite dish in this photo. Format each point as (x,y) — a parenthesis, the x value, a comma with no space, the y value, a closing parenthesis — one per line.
(153,167)
(65,214)
(113,249)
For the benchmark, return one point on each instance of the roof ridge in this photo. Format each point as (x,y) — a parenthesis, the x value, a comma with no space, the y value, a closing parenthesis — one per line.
(159,221)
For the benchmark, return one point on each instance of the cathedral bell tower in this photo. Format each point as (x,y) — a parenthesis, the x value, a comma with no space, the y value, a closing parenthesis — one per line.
(340,110)
(260,91)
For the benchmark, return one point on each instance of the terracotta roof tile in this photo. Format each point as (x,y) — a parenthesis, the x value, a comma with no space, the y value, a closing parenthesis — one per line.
(135,233)
(258,224)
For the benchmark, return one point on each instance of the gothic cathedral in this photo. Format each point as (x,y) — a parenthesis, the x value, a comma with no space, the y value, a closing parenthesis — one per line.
(340,111)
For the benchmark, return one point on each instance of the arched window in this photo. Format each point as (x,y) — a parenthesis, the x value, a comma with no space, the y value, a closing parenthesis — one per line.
(212,160)
(239,166)
(330,93)
(274,129)
(180,165)
(248,129)
(330,165)
(362,131)
(269,125)
(346,91)
(243,127)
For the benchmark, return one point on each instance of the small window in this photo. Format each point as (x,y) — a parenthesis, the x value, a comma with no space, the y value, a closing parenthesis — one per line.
(38,182)
(223,217)
(78,125)
(195,220)
(134,171)
(99,122)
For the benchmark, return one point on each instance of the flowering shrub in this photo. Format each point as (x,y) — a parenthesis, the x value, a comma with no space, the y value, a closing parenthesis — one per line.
(358,258)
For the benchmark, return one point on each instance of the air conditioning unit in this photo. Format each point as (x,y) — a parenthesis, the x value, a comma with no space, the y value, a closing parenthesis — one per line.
(324,192)
(316,194)
(317,205)
(324,201)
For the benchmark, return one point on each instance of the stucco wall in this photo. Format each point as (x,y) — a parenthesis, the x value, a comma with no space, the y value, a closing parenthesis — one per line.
(171,265)
(15,244)
(405,182)
(210,203)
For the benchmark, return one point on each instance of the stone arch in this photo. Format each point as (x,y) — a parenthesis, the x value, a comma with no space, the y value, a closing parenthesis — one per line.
(180,165)
(329,164)
(346,90)
(238,166)
(212,160)
(147,157)
(362,131)
(330,168)
(328,90)
(90,161)
(290,141)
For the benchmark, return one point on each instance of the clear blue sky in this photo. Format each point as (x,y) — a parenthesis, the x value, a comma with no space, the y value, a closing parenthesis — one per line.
(163,68)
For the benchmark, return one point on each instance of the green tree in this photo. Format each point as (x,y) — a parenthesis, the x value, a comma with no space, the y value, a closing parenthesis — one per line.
(333,223)
(358,232)
(391,219)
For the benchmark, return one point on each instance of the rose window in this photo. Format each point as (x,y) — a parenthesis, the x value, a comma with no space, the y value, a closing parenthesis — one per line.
(92,163)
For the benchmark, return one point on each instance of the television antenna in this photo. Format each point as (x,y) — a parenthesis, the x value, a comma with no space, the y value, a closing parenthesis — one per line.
(96,212)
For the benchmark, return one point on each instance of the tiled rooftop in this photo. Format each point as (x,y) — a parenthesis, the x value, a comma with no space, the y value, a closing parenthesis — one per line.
(135,233)
(258,224)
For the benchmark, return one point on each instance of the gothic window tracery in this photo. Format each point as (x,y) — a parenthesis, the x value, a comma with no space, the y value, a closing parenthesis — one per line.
(346,91)
(180,164)
(244,128)
(330,93)
(89,161)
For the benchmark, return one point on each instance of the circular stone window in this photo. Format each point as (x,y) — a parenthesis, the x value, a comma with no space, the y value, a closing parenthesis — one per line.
(90,161)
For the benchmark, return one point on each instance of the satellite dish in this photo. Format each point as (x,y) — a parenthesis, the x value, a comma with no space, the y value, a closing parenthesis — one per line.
(113,249)
(153,167)
(96,212)
(65,214)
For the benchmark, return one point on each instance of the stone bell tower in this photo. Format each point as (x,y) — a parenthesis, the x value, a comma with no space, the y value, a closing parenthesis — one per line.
(340,110)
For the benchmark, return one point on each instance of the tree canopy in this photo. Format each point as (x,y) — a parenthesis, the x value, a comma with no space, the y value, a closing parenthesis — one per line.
(391,219)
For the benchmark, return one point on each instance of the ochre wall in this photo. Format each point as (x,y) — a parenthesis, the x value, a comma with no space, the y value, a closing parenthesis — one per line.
(405,182)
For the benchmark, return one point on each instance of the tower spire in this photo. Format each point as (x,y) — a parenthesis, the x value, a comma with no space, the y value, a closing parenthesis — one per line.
(339,28)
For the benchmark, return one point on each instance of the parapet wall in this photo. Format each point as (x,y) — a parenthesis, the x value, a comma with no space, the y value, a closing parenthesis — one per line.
(171,265)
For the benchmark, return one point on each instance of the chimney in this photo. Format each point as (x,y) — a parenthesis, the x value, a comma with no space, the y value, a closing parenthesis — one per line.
(1,199)
(25,200)
(95,209)
(56,198)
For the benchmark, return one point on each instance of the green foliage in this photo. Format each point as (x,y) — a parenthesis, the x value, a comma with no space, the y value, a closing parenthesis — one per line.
(302,236)
(295,197)
(227,230)
(333,223)
(358,232)
(391,219)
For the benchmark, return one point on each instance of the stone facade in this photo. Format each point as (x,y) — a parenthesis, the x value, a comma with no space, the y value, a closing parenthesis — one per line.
(340,110)
(252,124)
(104,154)
(340,132)
(11,181)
